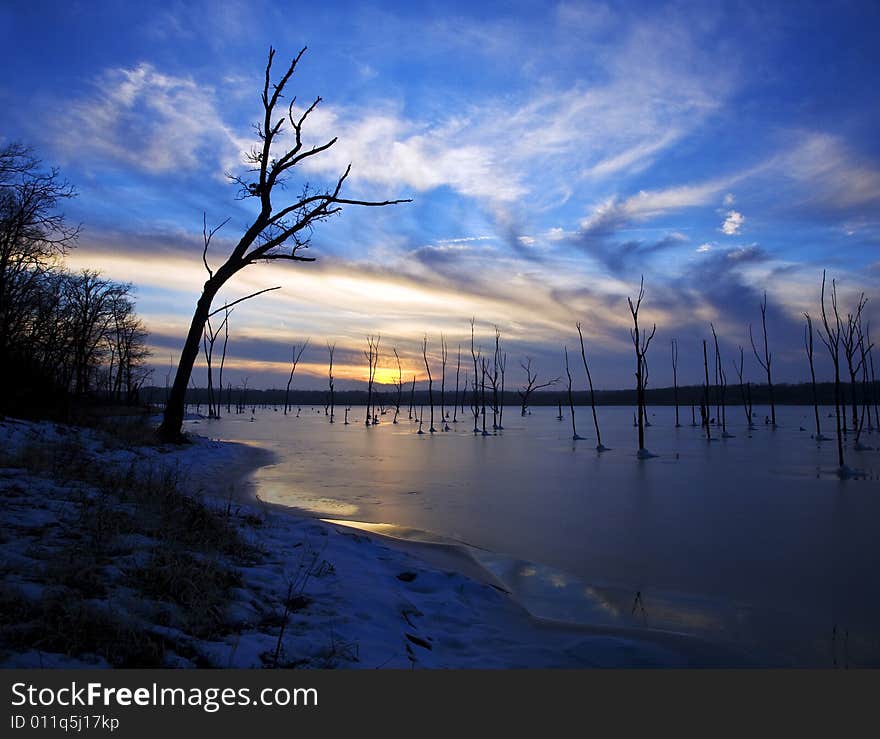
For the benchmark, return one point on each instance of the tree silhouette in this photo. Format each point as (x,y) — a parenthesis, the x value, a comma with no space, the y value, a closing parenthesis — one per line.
(767,359)
(277,232)
(641,341)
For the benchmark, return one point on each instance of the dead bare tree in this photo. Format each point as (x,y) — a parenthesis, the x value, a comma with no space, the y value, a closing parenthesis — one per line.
(862,367)
(531,385)
(675,379)
(484,367)
(875,395)
(574,433)
(641,341)
(296,356)
(502,366)
(766,361)
(430,382)
(412,397)
(477,360)
(808,347)
(399,386)
(209,338)
(331,348)
(493,378)
(464,392)
(276,233)
(746,398)
(372,355)
(851,339)
(599,446)
(704,407)
(831,339)
(457,374)
(722,386)
(223,360)
(444,355)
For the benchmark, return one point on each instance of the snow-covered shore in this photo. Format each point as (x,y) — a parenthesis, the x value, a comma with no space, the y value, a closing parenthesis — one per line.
(162,556)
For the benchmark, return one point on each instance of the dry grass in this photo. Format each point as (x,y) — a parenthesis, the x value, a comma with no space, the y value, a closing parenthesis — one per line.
(199,589)
(186,580)
(65,624)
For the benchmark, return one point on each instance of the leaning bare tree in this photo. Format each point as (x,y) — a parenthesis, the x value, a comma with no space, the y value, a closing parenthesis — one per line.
(430,381)
(295,355)
(277,232)
(599,446)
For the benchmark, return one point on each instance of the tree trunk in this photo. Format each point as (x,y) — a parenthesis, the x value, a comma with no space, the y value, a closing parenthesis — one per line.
(172,421)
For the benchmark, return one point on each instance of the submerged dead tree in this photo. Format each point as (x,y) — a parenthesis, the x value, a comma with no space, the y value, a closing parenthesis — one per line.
(476,356)
(208,341)
(808,347)
(277,232)
(295,357)
(851,340)
(675,379)
(721,380)
(430,382)
(531,385)
(494,377)
(444,355)
(484,367)
(745,390)
(704,407)
(372,355)
(457,375)
(864,348)
(872,398)
(399,385)
(574,433)
(599,445)
(766,361)
(641,341)
(331,348)
(831,339)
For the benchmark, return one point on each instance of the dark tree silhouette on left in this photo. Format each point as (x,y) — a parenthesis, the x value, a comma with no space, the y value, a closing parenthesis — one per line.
(277,232)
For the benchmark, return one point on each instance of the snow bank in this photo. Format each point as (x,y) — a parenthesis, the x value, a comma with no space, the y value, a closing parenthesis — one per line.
(297,592)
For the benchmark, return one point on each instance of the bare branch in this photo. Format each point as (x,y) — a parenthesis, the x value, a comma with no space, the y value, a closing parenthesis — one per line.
(227,306)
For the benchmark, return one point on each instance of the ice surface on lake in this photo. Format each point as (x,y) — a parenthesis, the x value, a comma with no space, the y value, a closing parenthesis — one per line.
(752,539)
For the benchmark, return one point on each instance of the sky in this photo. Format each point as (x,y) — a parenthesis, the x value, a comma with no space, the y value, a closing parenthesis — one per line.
(554,154)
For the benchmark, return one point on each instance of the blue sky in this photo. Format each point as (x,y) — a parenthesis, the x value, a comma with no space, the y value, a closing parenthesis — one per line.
(554,154)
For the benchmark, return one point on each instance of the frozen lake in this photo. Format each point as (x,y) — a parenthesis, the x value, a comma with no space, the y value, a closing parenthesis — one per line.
(750,540)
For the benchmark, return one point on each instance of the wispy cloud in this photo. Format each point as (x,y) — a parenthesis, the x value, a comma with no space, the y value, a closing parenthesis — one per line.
(830,174)
(147,120)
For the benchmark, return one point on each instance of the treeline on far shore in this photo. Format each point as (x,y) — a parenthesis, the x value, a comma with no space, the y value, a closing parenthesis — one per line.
(233,398)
